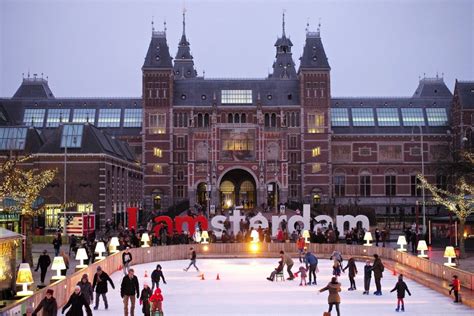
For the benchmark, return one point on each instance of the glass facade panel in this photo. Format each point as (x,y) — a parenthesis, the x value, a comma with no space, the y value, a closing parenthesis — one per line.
(339,117)
(363,117)
(388,117)
(72,136)
(12,138)
(57,116)
(413,117)
(109,118)
(132,118)
(34,117)
(84,116)
(236,97)
(437,116)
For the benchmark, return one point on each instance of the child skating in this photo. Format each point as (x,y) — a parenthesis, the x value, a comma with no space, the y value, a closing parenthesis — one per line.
(336,268)
(367,277)
(401,287)
(156,301)
(456,288)
(302,271)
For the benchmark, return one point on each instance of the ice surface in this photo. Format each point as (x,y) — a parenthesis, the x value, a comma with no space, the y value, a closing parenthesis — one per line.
(244,290)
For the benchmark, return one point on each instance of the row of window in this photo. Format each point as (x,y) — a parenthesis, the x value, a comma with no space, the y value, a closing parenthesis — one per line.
(106,117)
(389,116)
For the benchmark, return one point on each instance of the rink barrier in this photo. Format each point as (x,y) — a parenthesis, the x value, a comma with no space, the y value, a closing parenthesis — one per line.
(111,264)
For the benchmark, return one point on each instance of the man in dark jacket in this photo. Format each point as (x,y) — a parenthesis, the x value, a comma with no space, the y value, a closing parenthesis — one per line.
(76,302)
(128,290)
(126,260)
(43,263)
(100,285)
(401,287)
(48,304)
(156,276)
(57,243)
(378,269)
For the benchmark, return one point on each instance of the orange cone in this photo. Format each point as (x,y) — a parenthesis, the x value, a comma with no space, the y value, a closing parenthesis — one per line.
(218,278)
(394,272)
(119,268)
(146,274)
(202,276)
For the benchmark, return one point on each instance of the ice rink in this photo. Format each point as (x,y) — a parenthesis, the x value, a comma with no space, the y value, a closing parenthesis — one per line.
(244,290)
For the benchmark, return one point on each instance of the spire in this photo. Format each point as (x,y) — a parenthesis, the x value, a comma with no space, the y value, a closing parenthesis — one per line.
(184,21)
(314,56)
(283,23)
(283,67)
(183,63)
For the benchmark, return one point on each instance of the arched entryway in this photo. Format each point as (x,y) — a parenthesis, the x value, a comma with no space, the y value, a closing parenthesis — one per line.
(238,188)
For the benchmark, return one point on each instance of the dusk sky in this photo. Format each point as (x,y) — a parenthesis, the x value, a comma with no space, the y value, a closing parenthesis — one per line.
(97,48)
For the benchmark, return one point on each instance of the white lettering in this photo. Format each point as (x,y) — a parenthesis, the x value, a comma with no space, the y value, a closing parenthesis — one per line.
(342,219)
(276,220)
(217,223)
(258,220)
(298,218)
(322,221)
(235,220)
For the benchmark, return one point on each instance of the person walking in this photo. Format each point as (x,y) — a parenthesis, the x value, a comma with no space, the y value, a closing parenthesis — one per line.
(352,273)
(126,260)
(128,290)
(300,245)
(100,285)
(66,262)
(289,264)
(401,287)
(456,288)
(145,299)
(156,276)
(312,265)
(192,254)
(377,237)
(57,243)
(72,244)
(378,269)
(43,263)
(86,289)
(367,277)
(76,302)
(48,305)
(334,299)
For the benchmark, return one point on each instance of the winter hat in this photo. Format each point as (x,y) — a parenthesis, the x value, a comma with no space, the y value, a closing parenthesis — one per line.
(158,266)
(77,288)
(50,291)
(84,276)
(145,284)
(99,268)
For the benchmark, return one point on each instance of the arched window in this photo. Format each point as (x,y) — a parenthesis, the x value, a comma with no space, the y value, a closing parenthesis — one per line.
(206,119)
(364,183)
(230,118)
(243,118)
(273,120)
(267,120)
(286,120)
(390,183)
(200,120)
(236,118)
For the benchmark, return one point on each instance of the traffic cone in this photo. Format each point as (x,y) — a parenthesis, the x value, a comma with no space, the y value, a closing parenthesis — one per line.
(202,277)
(146,274)
(394,273)
(218,278)
(119,267)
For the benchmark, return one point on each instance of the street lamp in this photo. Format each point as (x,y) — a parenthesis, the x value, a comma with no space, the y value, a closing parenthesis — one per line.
(422,173)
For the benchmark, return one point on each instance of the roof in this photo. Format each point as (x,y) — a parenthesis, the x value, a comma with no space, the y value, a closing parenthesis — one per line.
(8,234)
(37,88)
(158,54)
(465,92)
(314,56)
(432,88)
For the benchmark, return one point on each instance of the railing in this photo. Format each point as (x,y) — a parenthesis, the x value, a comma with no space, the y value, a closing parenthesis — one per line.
(113,263)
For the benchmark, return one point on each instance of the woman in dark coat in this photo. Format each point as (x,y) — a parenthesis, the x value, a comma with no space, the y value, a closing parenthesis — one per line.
(48,305)
(352,273)
(145,299)
(86,289)
(76,302)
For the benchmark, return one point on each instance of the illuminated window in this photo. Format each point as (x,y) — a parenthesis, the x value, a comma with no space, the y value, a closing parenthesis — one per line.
(316,123)
(12,138)
(363,117)
(109,118)
(158,123)
(57,116)
(413,117)
(132,118)
(52,219)
(315,167)
(238,144)
(388,117)
(34,117)
(339,117)
(437,116)
(236,97)
(157,152)
(316,151)
(157,168)
(72,136)
(85,208)
(84,116)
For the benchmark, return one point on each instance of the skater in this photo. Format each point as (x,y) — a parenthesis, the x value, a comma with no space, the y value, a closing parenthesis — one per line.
(367,277)
(145,299)
(128,289)
(312,262)
(302,271)
(337,256)
(336,268)
(57,242)
(378,269)
(334,288)
(377,237)
(192,254)
(352,273)
(76,302)
(289,264)
(456,288)
(126,260)
(300,245)
(86,289)
(72,244)
(401,287)
(100,285)
(277,270)
(48,304)
(156,301)
(43,263)
(156,276)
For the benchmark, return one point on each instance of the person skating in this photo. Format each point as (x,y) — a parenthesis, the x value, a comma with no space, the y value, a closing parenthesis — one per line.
(76,302)
(100,285)
(300,245)
(352,273)
(156,276)
(336,268)
(126,260)
(278,269)
(303,273)
(128,290)
(378,269)
(86,289)
(57,243)
(401,287)
(192,254)
(311,263)
(456,288)
(334,299)
(43,263)
(367,277)
(156,301)
(145,299)
(289,264)
(48,305)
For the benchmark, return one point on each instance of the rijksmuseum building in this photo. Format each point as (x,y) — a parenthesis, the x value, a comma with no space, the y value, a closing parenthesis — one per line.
(255,143)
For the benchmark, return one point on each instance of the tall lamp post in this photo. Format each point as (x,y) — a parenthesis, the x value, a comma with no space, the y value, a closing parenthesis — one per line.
(422,173)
